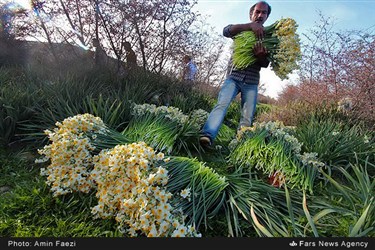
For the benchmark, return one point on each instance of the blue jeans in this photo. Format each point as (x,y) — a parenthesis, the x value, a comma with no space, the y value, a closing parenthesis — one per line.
(229,90)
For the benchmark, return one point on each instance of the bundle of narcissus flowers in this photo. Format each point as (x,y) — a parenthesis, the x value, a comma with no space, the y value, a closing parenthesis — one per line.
(129,179)
(71,154)
(281,42)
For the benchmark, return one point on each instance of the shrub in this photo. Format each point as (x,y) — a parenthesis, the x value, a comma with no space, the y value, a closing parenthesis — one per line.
(336,143)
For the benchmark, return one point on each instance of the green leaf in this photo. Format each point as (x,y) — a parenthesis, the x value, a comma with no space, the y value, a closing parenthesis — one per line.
(359,224)
(308,216)
(258,225)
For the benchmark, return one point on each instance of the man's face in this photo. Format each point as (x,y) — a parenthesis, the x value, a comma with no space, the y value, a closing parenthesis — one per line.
(260,13)
(186,59)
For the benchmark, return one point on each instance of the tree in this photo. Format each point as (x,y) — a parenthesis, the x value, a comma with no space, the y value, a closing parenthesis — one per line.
(337,65)
(159,32)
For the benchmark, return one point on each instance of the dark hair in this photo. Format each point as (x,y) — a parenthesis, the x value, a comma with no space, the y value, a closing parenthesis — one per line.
(126,44)
(95,42)
(253,7)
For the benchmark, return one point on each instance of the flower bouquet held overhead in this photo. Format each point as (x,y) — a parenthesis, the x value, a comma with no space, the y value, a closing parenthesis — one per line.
(281,42)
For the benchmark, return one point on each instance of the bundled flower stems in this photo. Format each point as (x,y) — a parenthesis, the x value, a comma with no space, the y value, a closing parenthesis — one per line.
(281,42)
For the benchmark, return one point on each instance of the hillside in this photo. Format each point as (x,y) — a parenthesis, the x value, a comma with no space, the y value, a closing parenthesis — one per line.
(265,180)
(34,54)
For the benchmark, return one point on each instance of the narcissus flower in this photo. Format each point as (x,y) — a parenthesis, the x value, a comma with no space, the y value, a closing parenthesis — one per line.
(282,44)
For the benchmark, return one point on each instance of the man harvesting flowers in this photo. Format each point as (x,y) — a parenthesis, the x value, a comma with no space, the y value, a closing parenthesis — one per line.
(281,42)
(240,80)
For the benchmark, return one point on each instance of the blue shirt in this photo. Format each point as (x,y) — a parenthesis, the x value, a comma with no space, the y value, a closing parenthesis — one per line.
(191,71)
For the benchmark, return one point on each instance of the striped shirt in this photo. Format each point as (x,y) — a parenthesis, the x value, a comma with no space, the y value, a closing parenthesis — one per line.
(249,75)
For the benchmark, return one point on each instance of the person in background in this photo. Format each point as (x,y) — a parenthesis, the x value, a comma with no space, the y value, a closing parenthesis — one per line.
(131,58)
(100,57)
(189,69)
(243,81)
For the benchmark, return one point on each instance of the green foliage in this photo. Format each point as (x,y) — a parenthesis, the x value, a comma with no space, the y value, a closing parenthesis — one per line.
(232,118)
(335,142)
(31,103)
(270,148)
(190,101)
(155,131)
(348,200)
(206,187)
(145,87)
(225,135)
(262,108)
(282,44)
(114,113)
(66,217)
(10,174)
(28,199)
(18,98)
(230,192)
(233,115)
(73,96)
(258,203)
(165,129)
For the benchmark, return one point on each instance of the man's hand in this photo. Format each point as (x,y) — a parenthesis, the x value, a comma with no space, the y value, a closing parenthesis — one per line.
(234,29)
(259,50)
(258,29)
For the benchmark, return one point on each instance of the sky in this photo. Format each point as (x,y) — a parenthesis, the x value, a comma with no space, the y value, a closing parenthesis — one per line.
(347,15)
